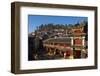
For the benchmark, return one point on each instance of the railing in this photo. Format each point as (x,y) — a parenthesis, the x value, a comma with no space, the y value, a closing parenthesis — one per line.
(56,47)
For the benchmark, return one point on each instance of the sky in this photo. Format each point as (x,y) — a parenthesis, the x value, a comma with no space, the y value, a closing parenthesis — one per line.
(36,20)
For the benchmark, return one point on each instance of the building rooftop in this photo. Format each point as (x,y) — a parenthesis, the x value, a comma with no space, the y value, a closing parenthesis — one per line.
(58,40)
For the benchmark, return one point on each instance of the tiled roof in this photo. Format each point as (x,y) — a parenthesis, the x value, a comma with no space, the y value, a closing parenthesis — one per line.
(58,40)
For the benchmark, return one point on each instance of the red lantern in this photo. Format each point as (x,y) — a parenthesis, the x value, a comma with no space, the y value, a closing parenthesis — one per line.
(68,53)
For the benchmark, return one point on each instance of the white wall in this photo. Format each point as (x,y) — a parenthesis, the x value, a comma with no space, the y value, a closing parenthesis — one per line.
(5,42)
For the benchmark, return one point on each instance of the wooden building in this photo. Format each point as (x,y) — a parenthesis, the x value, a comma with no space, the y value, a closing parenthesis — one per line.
(74,43)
